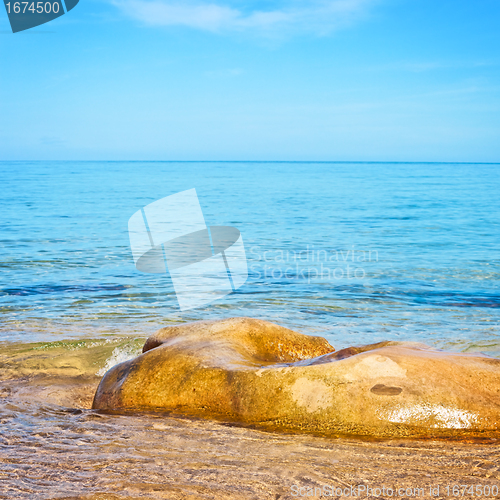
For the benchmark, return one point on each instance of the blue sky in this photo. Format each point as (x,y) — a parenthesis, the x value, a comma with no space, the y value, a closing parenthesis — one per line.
(373,80)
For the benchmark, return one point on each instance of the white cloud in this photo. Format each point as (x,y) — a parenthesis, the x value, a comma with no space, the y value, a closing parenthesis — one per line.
(315,16)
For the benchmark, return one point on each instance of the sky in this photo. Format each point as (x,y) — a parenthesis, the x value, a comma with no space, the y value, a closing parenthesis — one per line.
(290,80)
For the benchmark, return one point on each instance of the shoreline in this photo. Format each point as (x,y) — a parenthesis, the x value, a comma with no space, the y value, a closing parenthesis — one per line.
(54,446)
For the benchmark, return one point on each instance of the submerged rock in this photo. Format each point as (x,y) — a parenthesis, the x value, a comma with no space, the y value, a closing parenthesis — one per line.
(257,373)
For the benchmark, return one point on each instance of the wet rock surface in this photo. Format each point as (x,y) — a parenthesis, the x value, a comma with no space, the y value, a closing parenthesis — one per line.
(255,373)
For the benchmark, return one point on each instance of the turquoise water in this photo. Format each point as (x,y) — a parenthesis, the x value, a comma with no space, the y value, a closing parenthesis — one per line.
(356,252)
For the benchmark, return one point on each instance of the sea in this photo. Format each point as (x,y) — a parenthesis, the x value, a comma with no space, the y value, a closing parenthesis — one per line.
(356,252)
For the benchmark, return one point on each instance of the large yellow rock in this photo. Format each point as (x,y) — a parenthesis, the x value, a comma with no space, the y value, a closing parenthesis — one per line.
(256,373)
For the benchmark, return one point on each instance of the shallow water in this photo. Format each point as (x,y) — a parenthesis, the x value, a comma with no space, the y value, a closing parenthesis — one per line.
(52,447)
(358,253)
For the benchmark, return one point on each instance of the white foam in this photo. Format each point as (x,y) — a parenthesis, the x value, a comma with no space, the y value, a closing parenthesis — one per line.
(119,355)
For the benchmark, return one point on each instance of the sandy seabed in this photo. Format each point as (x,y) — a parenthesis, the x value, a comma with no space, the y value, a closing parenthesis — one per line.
(53,446)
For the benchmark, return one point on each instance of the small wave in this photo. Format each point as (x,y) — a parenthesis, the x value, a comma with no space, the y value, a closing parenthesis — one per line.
(47,289)
(119,355)
(425,296)
(66,359)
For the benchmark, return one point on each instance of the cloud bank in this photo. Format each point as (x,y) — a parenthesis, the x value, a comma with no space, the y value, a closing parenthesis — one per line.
(319,17)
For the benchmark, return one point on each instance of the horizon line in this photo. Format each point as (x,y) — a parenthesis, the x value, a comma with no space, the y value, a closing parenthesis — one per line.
(270,161)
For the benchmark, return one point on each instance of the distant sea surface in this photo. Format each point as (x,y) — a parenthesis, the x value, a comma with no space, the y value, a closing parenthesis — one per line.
(355,252)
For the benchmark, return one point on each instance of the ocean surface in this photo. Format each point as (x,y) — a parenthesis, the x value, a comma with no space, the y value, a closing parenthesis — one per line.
(355,252)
